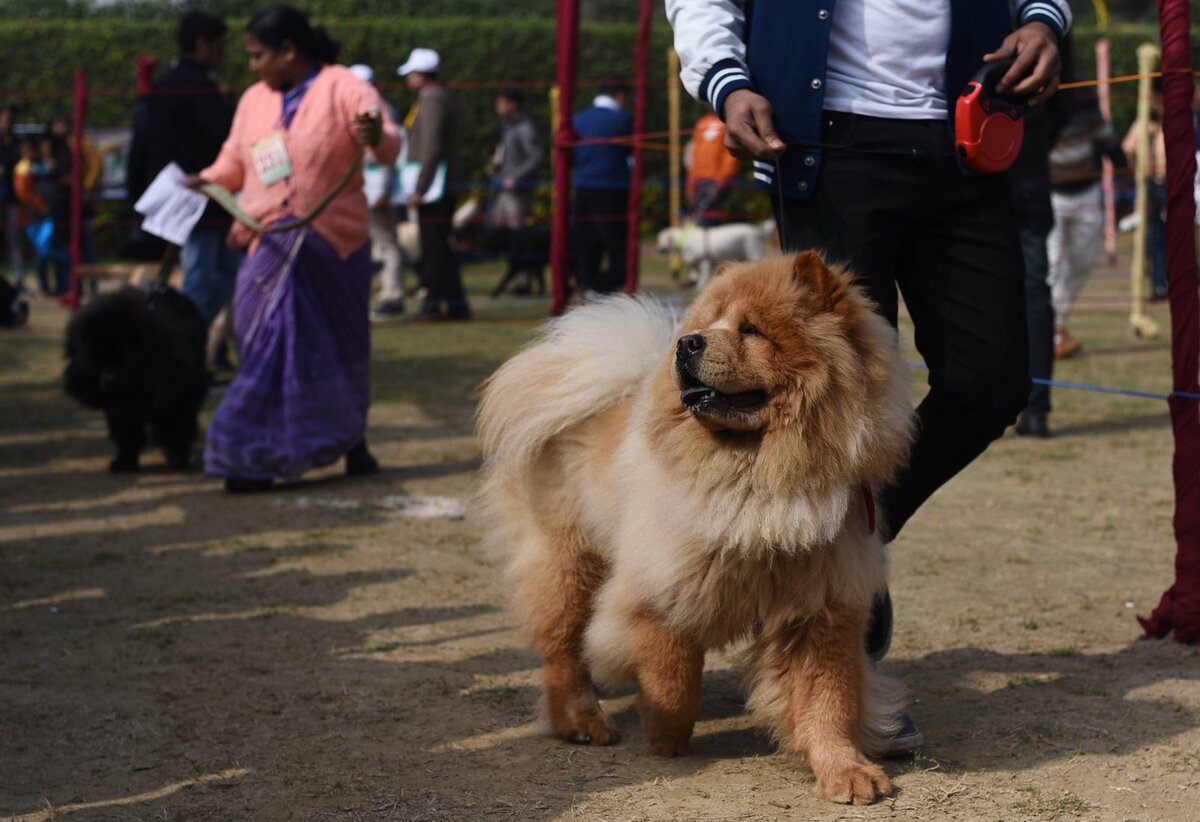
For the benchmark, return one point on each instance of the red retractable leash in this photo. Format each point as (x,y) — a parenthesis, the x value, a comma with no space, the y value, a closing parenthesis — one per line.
(988,125)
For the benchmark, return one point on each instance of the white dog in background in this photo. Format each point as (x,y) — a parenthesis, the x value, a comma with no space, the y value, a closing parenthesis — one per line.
(409,231)
(703,248)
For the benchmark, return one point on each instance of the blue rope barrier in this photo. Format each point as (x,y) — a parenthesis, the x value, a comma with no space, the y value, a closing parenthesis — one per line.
(1099,389)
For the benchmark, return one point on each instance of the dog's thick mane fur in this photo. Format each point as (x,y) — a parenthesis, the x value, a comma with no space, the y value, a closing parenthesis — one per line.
(788,489)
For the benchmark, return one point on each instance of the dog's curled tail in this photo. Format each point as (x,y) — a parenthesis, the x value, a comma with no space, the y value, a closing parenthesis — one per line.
(585,361)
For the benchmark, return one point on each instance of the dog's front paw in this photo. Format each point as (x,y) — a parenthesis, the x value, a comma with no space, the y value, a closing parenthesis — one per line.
(669,748)
(855,784)
(122,464)
(588,727)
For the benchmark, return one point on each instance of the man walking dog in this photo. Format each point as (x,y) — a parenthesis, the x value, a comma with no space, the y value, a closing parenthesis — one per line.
(849,121)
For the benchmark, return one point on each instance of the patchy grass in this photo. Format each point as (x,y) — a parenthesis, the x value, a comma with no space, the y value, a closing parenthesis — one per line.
(1049,807)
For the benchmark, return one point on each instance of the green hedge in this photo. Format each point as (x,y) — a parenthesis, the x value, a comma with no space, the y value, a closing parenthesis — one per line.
(607,10)
(474,52)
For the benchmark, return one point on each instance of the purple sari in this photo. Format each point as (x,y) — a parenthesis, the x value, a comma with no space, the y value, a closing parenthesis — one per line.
(300,315)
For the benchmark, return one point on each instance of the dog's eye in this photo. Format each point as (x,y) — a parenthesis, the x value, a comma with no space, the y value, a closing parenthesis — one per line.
(749,329)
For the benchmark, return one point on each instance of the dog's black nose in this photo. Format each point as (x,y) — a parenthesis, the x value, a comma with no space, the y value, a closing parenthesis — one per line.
(689,344)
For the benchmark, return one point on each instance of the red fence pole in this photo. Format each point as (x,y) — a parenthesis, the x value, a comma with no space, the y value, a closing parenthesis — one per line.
(1179,609)
(560,229)
(144,74)
(77,185)
(641,63)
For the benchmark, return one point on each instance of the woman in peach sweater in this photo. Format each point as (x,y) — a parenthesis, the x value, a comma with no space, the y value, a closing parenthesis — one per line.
(300,312)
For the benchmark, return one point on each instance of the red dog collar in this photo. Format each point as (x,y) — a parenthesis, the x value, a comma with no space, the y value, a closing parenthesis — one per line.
(869,502)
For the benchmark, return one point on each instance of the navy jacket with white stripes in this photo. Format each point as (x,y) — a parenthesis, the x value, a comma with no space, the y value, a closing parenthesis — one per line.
(779,48)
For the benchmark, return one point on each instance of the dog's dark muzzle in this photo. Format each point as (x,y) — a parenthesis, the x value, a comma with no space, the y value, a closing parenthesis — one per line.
(693,392)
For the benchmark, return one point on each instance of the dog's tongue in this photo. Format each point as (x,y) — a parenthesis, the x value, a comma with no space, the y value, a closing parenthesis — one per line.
(696,395)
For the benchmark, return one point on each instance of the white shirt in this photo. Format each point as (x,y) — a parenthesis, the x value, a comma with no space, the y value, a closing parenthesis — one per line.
(887,58)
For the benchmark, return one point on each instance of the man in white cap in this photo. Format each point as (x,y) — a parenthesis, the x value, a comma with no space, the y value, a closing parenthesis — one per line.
(380,184)
(433,151)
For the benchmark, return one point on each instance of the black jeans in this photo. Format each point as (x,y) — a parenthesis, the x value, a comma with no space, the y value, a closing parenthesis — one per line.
(892,202)
(1039,314)
(600,229)
(438,270)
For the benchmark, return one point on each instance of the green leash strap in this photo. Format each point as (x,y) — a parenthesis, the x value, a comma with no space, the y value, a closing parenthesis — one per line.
(167,264)
(227,201)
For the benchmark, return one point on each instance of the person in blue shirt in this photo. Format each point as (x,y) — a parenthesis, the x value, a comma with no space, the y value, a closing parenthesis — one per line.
(600,224)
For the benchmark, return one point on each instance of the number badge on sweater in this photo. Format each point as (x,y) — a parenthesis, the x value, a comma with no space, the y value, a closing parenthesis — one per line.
(271,161)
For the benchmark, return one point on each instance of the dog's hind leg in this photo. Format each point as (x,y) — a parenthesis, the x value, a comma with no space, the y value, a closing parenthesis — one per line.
(811,683)
(555,595)
(509,275)
(128,433)
(669,668)
(175,436)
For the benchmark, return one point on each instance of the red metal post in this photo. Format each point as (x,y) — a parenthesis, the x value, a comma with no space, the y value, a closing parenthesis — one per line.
(560,229)
(144,73)
(641,65)
(1179,609)
(77,185)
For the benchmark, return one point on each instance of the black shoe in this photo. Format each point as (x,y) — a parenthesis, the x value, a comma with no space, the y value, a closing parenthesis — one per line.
(360,461)
(907,740)
(1030,424)
(241,485)
(390,310)
(458,313)
(879,632)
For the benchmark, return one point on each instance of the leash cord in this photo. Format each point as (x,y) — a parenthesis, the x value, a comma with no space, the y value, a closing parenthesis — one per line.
(227,201)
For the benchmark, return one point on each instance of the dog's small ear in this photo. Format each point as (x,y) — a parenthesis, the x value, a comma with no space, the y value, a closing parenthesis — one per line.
(720,269)
(829,286)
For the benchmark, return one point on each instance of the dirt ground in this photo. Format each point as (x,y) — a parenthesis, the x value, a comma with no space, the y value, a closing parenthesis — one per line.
(338,649)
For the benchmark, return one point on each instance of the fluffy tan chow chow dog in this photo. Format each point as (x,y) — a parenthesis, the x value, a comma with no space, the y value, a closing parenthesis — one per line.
(662,491)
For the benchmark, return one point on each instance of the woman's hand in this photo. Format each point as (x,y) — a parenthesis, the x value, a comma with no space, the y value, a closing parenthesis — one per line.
(368,128)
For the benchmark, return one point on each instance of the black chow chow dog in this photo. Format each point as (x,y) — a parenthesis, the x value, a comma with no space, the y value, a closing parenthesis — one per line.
(139,357)
(14,311)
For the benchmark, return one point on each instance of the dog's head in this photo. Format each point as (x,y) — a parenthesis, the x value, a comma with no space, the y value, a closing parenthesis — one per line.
(668,240)
(789,349)
(123,348)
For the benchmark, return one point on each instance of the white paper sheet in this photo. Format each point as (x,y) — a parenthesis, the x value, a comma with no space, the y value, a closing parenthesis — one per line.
(171,209)
(412,172)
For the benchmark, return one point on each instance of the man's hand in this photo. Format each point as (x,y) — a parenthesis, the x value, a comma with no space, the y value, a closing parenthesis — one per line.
(749,129)
(1033,48)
